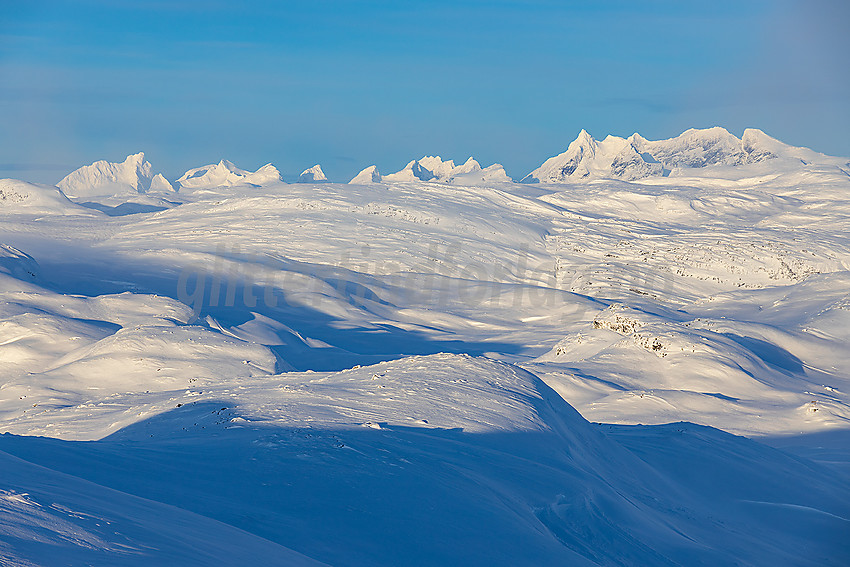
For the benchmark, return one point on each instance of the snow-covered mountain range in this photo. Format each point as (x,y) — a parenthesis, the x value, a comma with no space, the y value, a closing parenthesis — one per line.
(585,159)
(435,169)
(636,157)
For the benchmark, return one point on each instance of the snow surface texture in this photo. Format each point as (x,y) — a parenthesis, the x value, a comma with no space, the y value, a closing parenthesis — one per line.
(438,368)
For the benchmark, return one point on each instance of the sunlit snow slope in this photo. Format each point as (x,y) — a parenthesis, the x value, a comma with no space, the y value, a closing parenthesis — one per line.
(433,367)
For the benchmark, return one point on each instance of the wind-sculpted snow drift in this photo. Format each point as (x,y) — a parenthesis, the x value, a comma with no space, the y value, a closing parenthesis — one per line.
(436,366)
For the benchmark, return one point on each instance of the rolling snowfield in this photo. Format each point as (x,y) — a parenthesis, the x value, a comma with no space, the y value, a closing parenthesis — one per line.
(638,355)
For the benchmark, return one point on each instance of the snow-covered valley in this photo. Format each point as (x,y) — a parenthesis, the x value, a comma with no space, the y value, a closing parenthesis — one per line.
(637,356)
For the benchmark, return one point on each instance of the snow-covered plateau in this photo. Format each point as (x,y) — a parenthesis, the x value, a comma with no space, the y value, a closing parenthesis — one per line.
(638,355)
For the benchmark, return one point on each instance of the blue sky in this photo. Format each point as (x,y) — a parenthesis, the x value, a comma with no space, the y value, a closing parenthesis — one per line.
(349,84)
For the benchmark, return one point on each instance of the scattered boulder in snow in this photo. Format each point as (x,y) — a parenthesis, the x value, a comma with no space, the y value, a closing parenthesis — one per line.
(133,175)
(368,175)
(313,175)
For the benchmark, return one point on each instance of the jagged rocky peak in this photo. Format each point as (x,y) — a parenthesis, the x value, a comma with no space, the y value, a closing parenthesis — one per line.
(584,141)
(313,175)
(570,164)
(226,174)
(101,178)
(368,175)
(630,164)
(579,153)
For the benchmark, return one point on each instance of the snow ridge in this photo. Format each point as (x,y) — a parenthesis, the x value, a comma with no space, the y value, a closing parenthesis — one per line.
(585,159)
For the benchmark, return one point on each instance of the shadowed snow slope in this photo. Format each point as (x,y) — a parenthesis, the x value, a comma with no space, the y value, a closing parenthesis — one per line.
(468,461)
(17,264)
(436,369)
(50,518)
